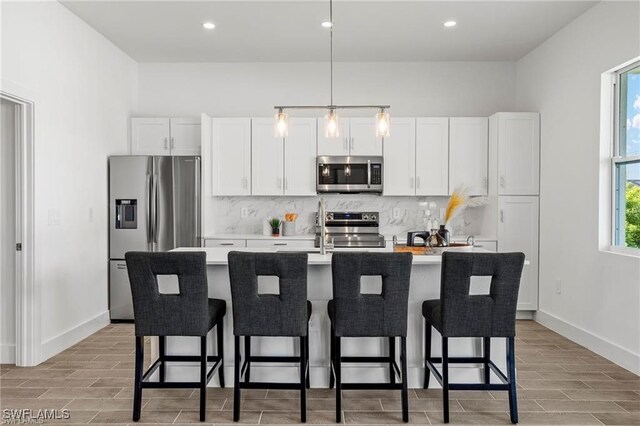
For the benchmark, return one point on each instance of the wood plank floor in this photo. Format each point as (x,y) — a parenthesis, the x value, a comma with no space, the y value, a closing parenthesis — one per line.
(559,382)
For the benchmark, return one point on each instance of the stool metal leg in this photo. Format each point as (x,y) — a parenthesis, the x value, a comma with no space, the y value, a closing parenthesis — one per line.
(511,375)
(203,377)
(445,379)
(404,391)
(303,381)
(162,351)
(486,346)
(392,356)
(247,358)
(427,354)
(337,366)
(308,366)
(137,387)
(220,337)
(332,357)
(236,379)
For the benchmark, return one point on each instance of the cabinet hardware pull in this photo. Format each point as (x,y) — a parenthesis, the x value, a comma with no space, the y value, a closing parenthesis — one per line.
(166,144)
(227,244)
(353,143)
(502,181)
(173,145)
(502,216)
(418,182)
(286,184)
(411,182)
(279,244)
(121,266)
(345,144)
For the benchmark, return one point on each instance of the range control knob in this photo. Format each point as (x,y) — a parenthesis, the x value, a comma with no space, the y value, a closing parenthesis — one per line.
(329,216)
(365,217)
(373,217)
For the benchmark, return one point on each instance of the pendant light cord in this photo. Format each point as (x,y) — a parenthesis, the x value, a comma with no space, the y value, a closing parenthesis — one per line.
(331,45)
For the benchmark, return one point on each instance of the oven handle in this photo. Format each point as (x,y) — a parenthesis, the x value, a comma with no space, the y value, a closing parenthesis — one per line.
(368,173)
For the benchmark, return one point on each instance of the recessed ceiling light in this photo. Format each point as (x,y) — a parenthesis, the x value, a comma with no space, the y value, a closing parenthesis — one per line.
(208,25)
(327,24)
(450,24)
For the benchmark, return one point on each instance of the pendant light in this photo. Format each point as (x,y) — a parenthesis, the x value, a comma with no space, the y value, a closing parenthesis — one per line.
(332,120)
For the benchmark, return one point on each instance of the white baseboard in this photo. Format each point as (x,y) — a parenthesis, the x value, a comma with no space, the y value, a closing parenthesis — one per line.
(7,353)
(603,347)
(62,341)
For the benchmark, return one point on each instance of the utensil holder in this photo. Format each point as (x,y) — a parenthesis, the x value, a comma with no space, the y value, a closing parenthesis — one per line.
(288,229)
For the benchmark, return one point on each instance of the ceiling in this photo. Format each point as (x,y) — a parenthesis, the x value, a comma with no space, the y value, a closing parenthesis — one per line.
(290,31)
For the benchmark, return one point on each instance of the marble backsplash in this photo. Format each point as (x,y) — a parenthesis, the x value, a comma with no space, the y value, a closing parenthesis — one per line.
(225,216)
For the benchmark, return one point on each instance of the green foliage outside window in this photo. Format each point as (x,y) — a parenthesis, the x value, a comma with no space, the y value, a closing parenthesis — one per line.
(632,228)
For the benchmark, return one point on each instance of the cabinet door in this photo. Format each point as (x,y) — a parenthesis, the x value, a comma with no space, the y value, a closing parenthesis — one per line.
(518,231)
(432,156)
(399,158)
(468,154)
(185,136)
(231,162)
(150,136)
(334,146)
(363,140)
(266,158)
(300,157)
(518,153)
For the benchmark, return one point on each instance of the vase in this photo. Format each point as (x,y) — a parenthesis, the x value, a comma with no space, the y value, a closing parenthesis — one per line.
(444,233)
(275,232)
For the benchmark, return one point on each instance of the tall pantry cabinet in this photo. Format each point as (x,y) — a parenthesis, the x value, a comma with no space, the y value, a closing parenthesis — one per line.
(514,146)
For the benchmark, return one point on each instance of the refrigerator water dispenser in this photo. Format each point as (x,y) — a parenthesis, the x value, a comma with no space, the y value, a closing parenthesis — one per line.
(126,214)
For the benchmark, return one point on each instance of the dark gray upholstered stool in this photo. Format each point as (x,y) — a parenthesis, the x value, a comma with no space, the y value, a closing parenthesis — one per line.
(284,314)
(353,314)
(189,313)
(458,314)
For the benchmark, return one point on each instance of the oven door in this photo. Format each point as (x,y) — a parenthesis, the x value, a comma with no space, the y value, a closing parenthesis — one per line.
(349,174)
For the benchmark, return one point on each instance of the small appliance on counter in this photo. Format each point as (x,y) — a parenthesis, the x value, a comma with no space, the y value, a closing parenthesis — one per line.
(351,229)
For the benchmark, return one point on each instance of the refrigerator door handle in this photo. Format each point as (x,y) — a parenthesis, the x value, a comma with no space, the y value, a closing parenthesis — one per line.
(149,204)
(154,208)
(197,200)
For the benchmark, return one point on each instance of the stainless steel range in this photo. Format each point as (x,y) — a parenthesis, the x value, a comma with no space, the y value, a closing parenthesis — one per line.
(351,229)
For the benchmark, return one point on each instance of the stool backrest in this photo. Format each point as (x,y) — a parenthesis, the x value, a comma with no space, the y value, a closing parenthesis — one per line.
(255,314)
(360,315)
(157,314)
(490,315)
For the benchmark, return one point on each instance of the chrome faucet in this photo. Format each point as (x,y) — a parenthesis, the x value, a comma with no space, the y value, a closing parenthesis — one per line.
(322,222)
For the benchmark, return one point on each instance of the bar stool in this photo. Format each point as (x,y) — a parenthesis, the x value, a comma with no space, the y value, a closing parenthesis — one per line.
(189,313)
(284,314)
(353,314)
(458,314)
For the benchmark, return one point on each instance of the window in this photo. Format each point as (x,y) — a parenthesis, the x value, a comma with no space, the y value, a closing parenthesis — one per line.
(626,158)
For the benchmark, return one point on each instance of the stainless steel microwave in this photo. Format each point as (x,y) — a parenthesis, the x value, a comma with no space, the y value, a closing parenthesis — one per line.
(349,174)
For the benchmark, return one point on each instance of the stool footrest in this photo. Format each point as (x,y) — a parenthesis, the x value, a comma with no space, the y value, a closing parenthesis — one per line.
(217,360)
(470,386)
(370,386)
(269,385)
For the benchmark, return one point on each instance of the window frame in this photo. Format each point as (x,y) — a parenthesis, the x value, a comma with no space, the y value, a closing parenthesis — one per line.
(617,215)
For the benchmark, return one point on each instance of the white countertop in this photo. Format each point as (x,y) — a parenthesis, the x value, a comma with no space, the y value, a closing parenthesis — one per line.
(258,237)
(218,255)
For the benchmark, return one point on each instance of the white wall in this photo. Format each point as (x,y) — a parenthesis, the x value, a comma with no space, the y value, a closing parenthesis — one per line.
(85,90)
(7,232)
(252,89)
(599,304)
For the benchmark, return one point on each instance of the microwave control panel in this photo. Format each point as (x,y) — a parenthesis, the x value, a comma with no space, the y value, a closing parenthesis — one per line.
(376,174)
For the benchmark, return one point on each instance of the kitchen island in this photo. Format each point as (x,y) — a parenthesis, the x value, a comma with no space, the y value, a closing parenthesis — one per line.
(425,284)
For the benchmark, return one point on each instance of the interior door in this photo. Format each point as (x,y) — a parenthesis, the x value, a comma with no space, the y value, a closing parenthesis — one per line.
(300,157)
(150,136)
(162,196)
(185,136)
(363,139)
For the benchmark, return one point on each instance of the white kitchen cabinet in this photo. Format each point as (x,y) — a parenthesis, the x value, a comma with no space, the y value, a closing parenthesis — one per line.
(214,242)
(231,156)
(357,137)
(281,243)
(518,231)
(165,136)
(150,136)
(185,136)
(432,156)
(400,158)
(518,152)
(300,157)
(468,154)
(266,158)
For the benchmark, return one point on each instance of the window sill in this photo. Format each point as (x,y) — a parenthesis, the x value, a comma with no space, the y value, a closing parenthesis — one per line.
(624,251)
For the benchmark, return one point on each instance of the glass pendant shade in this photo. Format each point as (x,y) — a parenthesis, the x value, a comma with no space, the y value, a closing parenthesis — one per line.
(382,124)
(282,124)
(331,125)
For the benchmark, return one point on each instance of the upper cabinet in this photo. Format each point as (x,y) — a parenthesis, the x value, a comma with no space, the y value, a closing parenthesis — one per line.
(518,141)
(165,136)
(432,156)
(231,156)
(357,137)
(468,154)
(283,166)
(400,159)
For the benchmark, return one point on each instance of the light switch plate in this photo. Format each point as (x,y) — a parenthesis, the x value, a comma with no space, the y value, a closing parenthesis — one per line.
(244,212)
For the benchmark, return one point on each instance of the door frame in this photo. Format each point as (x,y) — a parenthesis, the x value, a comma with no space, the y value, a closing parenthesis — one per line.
(28,291)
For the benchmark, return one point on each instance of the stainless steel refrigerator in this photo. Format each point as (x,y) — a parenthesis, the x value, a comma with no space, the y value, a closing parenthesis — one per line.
(154,205)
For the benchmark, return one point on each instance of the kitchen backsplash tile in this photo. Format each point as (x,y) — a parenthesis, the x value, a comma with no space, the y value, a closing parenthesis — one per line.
(227,213)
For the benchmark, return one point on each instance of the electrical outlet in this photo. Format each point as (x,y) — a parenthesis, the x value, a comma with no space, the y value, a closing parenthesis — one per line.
(244,212)
(558,286)
(90,215)
(397,213)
